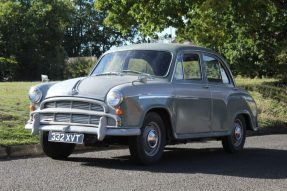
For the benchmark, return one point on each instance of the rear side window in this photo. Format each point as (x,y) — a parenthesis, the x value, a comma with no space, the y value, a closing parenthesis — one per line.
(188,68)
(214,70)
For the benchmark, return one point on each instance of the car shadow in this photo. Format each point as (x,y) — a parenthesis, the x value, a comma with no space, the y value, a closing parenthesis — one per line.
(251,163)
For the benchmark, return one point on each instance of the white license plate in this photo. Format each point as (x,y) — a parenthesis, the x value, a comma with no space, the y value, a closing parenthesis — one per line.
(66,137)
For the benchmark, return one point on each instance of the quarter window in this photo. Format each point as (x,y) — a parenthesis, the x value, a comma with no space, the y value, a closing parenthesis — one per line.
(214,70)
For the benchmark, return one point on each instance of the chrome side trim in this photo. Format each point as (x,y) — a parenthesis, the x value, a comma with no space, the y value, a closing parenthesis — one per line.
(153,96)
(186,97)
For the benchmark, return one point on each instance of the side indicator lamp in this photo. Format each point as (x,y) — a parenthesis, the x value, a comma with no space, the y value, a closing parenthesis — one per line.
(119,111)
(32,108)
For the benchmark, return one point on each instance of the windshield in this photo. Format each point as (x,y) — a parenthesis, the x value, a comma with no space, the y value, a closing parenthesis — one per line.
(155,63)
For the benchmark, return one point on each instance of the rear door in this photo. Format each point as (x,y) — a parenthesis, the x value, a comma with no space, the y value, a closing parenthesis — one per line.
(221,87)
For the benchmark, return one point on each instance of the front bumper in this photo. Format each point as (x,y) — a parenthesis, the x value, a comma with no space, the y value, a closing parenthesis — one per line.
(101,131)
(77,115)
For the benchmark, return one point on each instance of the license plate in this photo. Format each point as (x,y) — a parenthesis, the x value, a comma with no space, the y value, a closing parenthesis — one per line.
(66,137)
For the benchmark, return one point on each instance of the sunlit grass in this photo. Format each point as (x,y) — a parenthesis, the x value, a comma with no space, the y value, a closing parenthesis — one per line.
(14,113)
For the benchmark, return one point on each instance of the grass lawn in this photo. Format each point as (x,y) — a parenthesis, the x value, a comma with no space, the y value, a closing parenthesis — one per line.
(14,110)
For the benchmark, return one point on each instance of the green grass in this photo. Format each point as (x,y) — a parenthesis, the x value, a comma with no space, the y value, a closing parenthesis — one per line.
(271,100)
(14,105)
(14,112)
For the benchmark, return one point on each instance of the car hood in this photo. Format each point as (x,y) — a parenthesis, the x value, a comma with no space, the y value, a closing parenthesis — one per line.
(95,87)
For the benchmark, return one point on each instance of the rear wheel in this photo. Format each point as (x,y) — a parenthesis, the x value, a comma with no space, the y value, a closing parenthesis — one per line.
(235,142)
(55,150)
(147,148)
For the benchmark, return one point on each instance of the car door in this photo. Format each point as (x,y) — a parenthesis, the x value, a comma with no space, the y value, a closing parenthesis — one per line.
(192,97)
(221,87)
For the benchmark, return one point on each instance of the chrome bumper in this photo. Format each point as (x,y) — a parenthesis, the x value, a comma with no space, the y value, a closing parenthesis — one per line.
(101,131)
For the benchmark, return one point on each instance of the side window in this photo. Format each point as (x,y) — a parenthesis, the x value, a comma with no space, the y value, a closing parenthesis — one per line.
(178,70)
(191,67)
(214,70)
(188,68)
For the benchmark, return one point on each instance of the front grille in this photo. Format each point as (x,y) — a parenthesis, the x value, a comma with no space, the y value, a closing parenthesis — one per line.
(79,112)
(74,105)
(70,118)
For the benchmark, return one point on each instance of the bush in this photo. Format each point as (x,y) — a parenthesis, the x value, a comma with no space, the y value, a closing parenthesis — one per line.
(79,66)
(8,68)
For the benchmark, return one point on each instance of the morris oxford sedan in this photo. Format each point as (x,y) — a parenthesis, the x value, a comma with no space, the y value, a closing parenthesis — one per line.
(146,96)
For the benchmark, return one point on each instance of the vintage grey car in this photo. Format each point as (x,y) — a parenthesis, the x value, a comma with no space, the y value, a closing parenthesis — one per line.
(145,96)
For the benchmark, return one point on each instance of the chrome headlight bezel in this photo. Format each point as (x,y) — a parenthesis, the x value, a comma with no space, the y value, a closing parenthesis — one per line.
(35,94)
(114,98)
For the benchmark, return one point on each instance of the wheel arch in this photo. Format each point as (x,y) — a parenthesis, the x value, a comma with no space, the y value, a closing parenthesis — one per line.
(247,118)
(166,118)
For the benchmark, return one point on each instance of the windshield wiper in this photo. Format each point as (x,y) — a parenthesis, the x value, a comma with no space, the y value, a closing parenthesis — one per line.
(108,73)
(135,72)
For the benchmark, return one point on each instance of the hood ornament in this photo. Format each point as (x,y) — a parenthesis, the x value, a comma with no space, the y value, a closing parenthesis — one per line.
(74,91)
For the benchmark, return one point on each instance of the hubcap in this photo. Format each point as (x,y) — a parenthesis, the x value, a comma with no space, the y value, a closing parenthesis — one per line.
(238,132)
(151,139)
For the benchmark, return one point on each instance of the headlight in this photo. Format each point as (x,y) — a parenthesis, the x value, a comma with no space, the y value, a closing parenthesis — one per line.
(35,95)
(114,98)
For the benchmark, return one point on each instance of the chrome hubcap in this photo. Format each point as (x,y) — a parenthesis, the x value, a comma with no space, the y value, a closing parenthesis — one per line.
(238,132)
(151,139)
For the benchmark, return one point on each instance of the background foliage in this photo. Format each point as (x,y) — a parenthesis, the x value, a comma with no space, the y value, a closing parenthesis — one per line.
(41,34)
(38,36)
(250,34)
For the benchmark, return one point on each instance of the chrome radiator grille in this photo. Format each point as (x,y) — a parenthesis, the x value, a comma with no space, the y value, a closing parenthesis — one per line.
(70,118)
(74,112)
(74,105)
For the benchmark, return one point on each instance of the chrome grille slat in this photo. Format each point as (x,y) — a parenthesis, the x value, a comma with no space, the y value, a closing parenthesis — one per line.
(74,105)
(63,104)
(50,105)
(70,117)
(80,119)
(47,117)
(62,117)
(81,105)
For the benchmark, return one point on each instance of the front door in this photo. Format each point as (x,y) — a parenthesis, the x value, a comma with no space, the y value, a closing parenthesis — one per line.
(192,103)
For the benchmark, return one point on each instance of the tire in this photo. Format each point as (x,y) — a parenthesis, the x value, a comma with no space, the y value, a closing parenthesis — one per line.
(54,150)
(148,147)
(235,142)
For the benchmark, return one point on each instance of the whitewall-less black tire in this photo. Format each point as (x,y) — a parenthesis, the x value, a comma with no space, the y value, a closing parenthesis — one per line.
(59,151)
(148,147)
(235,142)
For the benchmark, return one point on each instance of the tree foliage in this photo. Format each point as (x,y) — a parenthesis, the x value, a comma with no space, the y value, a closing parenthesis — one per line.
(42,34)
(87,35)
(250,34)
(32,32)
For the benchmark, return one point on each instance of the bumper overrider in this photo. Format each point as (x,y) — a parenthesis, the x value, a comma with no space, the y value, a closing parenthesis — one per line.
(77,115)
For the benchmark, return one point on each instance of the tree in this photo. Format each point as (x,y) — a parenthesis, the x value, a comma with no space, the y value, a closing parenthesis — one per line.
(32,32)
(86,35)
(250,34)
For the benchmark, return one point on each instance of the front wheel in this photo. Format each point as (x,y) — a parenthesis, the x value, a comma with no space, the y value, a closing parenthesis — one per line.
(148,147)
(235,142)
(55,150)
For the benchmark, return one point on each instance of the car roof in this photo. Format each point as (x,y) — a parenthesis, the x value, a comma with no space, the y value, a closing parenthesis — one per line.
(170,47)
